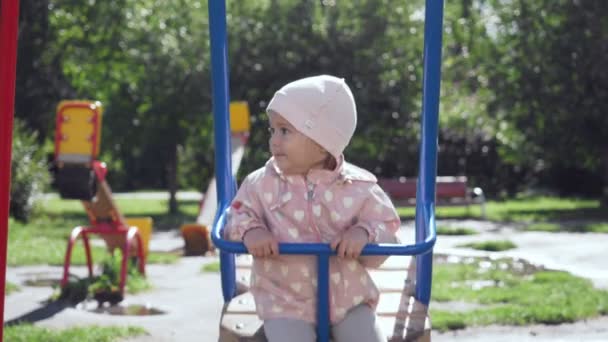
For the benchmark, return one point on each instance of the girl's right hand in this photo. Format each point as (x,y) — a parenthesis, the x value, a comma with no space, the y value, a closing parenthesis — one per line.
(261,243)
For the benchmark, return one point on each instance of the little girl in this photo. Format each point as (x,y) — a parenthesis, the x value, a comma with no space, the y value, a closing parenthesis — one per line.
(306,192)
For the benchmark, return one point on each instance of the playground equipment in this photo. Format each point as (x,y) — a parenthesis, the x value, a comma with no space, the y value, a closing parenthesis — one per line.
(9,19)
(410,320)
(80,176)
(197,237)
(450,191)
(425,221)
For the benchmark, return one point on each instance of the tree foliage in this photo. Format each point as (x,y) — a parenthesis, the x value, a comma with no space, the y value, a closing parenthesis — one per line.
(29,173)
(552,88)
(523,94)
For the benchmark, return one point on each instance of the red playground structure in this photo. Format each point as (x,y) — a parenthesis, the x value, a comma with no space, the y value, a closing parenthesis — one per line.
(80,176)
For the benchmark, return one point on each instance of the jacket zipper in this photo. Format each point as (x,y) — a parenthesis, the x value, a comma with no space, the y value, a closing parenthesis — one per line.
(310,196)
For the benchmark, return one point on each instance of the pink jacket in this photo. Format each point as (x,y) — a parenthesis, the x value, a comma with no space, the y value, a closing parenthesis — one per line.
(311,209)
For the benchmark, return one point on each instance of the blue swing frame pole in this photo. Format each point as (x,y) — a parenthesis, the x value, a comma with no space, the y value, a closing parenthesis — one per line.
(221,127)
(425,197)
(425,208)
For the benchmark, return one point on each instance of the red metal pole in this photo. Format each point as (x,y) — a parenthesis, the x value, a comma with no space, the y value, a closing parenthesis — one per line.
(9,18)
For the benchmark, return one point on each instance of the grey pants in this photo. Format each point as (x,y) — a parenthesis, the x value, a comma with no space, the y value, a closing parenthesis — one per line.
(359,325)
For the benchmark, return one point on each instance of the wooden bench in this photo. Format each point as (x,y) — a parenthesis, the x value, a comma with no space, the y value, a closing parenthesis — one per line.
(450,191)
(400,316)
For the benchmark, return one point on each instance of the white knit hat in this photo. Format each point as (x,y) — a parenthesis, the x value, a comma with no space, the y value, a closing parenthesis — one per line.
(320,107)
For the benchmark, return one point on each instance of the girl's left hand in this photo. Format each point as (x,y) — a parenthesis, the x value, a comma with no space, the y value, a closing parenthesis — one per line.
(350,243)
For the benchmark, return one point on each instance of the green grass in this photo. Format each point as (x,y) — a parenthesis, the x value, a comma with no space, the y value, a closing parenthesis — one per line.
(509,297)
(211,267)
(44,242)
(596,227)
(525,209)
(137,283)
(155,208)
(44,239)
(162,258)
(106,281)
(31,333)
(576,227)
(10,288)
(442,230)
(491,245)
(544,227)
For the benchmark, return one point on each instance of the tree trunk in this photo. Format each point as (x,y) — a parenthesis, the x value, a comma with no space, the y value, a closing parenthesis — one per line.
(604,199)
(172,179)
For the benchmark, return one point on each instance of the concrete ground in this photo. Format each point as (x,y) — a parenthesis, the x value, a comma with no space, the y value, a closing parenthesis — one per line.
(191,300)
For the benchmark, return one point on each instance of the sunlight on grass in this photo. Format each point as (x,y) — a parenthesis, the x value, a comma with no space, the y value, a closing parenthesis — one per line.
(511,297)
(31,333)
(43,240)
(155,208)
(445,320)
(442,230)
(211,267)
(137,283)
(576,227)
(491,245)
(37,244)
(544,227)
(524,209)
(596,227)
(162,258)
(10,288)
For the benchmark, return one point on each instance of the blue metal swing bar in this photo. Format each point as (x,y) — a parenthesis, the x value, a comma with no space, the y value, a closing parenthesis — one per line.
(425,207)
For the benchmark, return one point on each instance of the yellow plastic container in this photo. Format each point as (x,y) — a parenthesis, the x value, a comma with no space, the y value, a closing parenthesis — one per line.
(239,117)
(144,225)
(79,127)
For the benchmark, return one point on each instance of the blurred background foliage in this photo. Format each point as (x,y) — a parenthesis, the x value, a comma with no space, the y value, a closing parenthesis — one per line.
(524,93)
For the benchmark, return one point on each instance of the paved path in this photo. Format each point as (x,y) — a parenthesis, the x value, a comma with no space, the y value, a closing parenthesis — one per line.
(192,301)
(595,330)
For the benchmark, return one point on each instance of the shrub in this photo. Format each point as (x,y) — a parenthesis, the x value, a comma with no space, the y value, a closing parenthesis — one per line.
(29,173)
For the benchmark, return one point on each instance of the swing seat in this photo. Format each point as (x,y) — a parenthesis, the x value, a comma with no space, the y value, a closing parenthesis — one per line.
(76,181)
(400,315)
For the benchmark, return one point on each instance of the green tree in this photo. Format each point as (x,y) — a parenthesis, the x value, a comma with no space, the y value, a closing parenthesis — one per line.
(552,85)
(372,44)
(29,174)
(40,82)
(147,62)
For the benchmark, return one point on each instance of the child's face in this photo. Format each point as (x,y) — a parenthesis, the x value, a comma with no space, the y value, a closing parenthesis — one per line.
(293,152)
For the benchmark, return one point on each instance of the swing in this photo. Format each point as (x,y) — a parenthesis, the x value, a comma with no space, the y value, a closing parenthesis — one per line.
(409,321)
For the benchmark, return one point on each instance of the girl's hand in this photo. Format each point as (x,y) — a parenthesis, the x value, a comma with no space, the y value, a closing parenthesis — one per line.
(350,243)
(261,243)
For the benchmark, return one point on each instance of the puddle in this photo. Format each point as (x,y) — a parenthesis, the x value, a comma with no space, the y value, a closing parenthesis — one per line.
(41,279)
(479,284)
(42,282)
(458,306)
(129,310)
(120,310)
